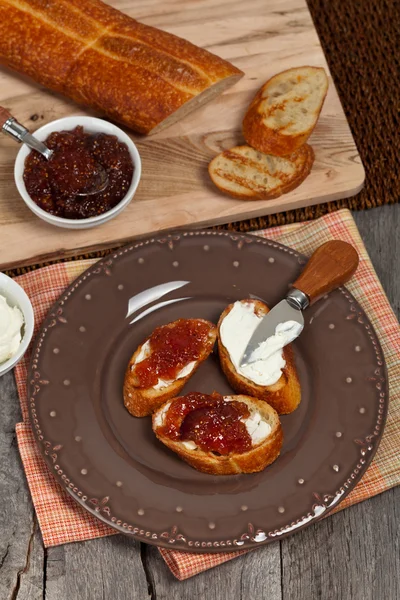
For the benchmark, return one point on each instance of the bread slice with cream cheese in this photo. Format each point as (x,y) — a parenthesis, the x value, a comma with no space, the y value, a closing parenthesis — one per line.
(263,426)
(140,401)
(274,380)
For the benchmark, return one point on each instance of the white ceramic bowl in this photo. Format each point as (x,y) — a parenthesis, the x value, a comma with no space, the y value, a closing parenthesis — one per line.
(92,125)
(16,296)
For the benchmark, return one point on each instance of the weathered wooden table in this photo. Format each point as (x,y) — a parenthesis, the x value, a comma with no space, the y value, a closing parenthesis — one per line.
(352,555)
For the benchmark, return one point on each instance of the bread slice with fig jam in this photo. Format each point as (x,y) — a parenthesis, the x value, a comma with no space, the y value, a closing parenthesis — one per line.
(278,384)
(220,435)
(164,362)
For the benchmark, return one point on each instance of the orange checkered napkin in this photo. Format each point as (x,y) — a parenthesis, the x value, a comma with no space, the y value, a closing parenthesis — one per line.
(61,520)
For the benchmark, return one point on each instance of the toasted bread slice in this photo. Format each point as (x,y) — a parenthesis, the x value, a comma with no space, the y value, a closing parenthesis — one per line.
(140,401)
(285,394)
(259,456)
(285,110)
(245,173)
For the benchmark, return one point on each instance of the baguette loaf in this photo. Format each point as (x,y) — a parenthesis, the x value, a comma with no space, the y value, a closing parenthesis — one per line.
(283,393)
(285,110)
(141,401)
(266,437)
(245,173)
(137,75)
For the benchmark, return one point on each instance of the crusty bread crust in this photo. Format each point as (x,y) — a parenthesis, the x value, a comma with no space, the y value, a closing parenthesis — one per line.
(254,460)
(281,102)
(245,173)
(97,56)
(141,402)
(284,395)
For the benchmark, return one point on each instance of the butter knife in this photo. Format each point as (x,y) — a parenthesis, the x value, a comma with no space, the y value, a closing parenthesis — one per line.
(330,266)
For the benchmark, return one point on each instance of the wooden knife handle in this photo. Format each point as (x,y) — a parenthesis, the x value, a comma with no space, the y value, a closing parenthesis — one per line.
(4,116)
(331,265)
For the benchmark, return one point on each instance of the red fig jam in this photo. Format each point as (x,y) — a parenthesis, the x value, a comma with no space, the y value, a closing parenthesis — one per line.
(54,184)
(172,347)
(213,423)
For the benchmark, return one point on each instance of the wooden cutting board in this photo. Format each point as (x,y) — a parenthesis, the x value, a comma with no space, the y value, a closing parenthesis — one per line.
(261,37)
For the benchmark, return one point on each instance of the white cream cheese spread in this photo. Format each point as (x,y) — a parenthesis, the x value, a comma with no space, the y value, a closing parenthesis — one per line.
(190,445)
(11,321)
(145,351)
(257,428)
(187,369)
(160,416)
(236,330)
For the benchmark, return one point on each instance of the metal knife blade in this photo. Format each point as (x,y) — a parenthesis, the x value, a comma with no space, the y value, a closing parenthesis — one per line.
(281,313)
(330,266)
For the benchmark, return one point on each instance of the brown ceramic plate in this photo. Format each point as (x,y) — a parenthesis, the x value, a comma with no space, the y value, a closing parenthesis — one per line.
(112,464)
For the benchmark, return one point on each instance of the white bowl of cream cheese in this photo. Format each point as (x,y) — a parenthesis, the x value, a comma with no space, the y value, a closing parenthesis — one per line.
(16,323)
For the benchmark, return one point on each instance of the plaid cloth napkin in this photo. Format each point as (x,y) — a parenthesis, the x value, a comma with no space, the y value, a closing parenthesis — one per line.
(61,520)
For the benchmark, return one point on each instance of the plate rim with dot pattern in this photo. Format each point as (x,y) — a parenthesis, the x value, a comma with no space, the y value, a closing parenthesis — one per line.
(49,419)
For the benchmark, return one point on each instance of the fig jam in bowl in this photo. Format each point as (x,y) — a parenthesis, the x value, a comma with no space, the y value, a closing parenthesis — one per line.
(42,184)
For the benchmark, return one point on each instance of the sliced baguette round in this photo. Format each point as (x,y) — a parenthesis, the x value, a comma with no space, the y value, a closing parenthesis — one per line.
(285,110)
(248,174)
(284,395)
(252,461)
(141,402)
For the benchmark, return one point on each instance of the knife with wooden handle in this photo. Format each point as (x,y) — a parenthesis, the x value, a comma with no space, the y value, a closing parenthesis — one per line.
(331,265)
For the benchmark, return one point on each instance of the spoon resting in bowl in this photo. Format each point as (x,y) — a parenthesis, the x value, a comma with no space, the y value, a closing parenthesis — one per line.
(83,177)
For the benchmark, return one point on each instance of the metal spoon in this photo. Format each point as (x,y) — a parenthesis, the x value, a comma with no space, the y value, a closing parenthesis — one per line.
(18,132)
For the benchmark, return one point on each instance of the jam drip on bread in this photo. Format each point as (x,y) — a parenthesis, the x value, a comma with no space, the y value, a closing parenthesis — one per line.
(171,348)
(213,423)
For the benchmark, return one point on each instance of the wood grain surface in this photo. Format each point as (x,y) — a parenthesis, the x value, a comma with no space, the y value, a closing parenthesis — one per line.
(261,37)
(352,555)
(330,266)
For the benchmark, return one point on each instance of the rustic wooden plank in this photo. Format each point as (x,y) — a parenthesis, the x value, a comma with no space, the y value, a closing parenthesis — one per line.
(353,554)
(104,568)
(261,38)
(31,581)
(21,549)
(253,575)
(379,229)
